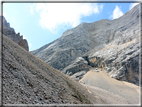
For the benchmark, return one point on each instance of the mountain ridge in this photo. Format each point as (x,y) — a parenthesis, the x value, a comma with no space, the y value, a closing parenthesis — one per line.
(85,56)
(92,41)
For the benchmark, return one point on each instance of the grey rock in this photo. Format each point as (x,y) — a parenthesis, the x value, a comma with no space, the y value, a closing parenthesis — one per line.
(77,76)
(29,80)
(104,43)
(107,69)
(79,64)
(10,32)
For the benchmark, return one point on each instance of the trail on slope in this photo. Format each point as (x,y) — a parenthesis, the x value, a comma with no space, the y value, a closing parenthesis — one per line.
(109,89)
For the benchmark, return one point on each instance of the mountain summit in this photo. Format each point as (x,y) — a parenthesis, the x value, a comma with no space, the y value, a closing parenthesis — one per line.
(112,45)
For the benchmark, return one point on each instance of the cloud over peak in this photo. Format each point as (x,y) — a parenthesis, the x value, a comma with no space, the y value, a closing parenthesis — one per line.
(116,13)
(132,5)
(53,15)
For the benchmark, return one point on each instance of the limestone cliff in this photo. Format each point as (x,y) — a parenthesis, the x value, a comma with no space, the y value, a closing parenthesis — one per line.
(112,45)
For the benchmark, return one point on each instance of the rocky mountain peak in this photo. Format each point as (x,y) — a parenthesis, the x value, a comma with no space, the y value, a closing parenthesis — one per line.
(10,32)
(112,45)
(90,53)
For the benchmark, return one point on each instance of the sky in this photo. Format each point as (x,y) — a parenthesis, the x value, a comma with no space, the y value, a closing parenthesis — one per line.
(42,23)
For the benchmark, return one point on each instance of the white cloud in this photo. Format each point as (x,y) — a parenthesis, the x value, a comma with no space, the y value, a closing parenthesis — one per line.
(116,13)
(53,15)
(132,5)
(98,8)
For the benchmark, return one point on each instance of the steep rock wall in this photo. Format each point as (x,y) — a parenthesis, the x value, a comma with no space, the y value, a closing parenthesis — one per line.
(107,44)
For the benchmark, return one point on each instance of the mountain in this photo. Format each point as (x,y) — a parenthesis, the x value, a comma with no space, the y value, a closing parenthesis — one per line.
(29,80)
(110,45)
(94,51)
(10,32)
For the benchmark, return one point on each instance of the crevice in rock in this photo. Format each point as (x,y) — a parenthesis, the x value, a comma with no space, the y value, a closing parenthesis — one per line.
(87,59)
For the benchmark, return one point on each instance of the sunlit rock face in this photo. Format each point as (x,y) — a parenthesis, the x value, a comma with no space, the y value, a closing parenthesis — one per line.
(112,45)
(10,32)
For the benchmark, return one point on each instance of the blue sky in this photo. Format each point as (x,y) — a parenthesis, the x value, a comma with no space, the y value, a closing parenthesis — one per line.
(42,23)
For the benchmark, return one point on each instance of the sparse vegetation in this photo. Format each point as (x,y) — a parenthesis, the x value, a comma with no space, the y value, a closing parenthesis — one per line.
(77,94)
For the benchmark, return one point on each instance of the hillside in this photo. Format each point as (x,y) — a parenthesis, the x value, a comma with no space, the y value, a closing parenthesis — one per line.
(112,45)
(112,90)
(29,80)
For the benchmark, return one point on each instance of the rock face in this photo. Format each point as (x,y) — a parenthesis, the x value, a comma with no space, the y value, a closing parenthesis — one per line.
(112,45)
(77,68)
(29,80)
(119,65)
(10,32)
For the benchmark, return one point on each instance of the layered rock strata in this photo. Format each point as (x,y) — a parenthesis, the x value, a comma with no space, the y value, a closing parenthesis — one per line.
(113,45)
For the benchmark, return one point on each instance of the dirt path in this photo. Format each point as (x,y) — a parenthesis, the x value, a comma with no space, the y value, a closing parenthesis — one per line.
(111,90)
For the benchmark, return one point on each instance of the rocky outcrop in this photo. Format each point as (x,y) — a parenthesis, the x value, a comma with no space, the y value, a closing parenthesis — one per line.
(29,80)
(113,45)
(10,32)
(77,68)
(123,64)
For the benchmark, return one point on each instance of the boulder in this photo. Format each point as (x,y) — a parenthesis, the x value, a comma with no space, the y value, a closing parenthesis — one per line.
(78,65)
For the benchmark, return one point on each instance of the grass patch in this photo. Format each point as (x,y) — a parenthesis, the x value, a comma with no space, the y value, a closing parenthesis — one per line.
(77,95)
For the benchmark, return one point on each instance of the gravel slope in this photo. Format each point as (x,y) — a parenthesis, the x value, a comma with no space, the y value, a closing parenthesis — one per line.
(111,90)
(29,80)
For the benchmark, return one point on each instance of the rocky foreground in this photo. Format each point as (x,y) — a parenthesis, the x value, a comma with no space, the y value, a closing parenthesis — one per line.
(91,53)
(110,45)
(29,80)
